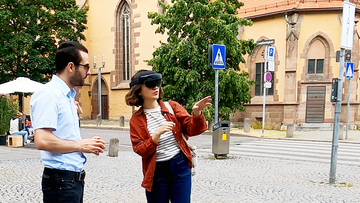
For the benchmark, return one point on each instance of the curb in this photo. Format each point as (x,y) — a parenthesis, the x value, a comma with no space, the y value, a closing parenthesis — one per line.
(232,134)
(105,127)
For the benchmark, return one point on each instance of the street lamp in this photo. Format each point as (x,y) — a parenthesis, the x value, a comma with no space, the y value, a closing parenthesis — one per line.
(98,117)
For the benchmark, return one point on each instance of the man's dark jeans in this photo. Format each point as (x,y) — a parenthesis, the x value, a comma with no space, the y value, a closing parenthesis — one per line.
(62,186)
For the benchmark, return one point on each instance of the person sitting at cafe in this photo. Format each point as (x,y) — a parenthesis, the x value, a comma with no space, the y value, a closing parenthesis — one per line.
(17,127)
(30,130)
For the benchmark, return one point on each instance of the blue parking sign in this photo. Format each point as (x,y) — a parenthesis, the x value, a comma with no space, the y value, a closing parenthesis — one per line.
(218,56)
(271,53)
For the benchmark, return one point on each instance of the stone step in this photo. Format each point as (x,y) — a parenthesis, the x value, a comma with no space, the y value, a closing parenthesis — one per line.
(314,126)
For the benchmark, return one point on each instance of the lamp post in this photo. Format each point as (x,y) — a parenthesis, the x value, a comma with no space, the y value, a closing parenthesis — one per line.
(98,117)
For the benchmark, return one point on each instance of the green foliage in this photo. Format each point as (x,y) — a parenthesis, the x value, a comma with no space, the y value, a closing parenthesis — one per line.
(29,32)
(268,126)
(8,109)
(256,125)
(183,60)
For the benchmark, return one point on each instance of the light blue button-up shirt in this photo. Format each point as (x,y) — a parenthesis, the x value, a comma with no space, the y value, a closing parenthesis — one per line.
(52,106)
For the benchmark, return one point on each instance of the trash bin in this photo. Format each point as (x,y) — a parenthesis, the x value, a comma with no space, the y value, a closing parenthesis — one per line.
(221,138)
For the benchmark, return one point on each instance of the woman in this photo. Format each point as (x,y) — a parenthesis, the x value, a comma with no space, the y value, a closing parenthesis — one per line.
(156,135)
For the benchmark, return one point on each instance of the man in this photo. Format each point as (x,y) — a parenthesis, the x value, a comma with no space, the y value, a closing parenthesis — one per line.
(57,132)
(17,127)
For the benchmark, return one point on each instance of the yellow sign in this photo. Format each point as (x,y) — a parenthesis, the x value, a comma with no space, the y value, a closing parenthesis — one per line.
(224,136)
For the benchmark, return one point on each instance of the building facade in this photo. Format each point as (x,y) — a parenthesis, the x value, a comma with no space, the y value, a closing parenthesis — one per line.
(307,35)
(121,31)
(306,32)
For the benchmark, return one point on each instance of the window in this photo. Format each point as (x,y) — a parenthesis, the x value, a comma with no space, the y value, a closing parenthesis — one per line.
(315,66)
(259,79)
(125,23)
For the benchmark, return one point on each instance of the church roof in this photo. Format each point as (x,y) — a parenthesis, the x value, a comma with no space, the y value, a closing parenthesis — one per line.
(259,8)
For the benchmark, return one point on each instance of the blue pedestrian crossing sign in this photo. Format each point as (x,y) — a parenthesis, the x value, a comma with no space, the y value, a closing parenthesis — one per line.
(349,70)
(218,56)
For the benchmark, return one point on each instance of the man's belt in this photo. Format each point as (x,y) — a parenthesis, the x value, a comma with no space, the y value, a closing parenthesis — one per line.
(78,176)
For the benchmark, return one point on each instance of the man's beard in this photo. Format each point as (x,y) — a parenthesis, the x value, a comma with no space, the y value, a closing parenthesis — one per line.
(77,79)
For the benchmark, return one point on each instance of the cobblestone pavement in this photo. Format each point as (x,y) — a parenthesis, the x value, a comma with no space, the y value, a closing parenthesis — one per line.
(235,179)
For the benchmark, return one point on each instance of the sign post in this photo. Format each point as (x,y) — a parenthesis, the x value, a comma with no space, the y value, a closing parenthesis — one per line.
(349,74)
(269,53)
(217,62)
(99,117)
(347,32)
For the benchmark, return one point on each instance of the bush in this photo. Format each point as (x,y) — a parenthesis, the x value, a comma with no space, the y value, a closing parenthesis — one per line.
(268,126)
(8,109)
(256,125)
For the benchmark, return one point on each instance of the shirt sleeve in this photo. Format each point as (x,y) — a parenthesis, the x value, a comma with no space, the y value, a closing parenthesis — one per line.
(44,109)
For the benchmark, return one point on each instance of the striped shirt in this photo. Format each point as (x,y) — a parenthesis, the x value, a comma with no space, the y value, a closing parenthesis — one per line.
(168,146)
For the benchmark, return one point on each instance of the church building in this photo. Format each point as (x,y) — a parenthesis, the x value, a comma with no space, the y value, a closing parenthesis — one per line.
(306,36)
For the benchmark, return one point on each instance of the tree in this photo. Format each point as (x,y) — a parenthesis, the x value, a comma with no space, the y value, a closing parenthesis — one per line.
(30,31)
(183,60)
(8,109)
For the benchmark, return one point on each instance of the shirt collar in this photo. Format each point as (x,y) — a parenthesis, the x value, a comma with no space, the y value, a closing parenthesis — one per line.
(63,87)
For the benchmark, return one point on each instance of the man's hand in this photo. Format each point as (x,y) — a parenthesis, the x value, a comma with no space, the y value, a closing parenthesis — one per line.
(93,145)
(45,140)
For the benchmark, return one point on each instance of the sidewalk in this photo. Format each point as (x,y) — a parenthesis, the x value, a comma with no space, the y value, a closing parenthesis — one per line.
(353,135)
(245,179)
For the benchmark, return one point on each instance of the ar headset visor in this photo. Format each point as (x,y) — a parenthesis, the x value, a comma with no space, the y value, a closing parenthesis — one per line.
(150,80)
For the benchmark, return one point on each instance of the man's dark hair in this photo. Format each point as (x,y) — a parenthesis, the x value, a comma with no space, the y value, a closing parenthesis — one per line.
(68,52)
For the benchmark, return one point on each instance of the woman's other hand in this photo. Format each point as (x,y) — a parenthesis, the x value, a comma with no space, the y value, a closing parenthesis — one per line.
(198,107)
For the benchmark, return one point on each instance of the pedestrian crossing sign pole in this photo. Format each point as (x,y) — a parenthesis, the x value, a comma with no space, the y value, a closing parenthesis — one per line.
(217,62)
(349,74)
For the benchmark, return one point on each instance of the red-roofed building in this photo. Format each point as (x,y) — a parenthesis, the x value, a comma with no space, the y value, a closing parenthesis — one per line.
(307,35)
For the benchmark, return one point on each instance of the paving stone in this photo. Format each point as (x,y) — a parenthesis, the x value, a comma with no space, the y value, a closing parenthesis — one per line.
(236,179)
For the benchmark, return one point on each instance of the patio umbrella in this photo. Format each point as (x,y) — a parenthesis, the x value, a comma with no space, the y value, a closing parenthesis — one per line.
(21,84)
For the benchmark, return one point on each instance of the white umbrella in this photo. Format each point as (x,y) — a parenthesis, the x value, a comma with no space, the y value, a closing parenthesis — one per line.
(21,84)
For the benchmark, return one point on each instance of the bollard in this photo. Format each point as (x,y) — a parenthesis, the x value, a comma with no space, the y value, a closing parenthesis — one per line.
(247,125)
(341,131)
(114,147)
(122,121)
(210,124)
(290,130)
(98,120)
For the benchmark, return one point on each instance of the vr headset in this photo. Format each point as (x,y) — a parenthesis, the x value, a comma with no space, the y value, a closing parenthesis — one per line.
(150,80)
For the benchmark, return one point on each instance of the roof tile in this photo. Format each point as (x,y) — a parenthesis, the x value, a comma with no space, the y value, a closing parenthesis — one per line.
(253,8)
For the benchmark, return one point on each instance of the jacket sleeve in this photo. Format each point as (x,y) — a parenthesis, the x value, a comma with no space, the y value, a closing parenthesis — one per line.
(191,125)
(142,142)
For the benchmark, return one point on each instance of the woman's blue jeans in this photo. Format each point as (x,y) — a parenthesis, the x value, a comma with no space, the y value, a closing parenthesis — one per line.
(172,181)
